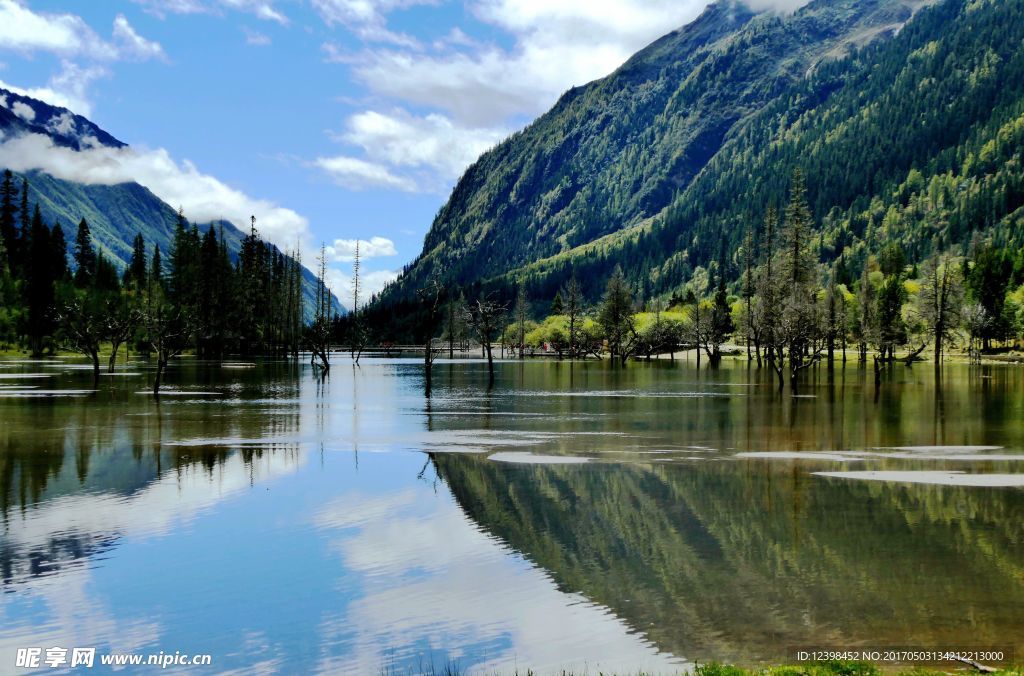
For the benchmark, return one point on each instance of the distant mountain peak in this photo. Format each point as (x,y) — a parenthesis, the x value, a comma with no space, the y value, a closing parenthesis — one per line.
(20,114)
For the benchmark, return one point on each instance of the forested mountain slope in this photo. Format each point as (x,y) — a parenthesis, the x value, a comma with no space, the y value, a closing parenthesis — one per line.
(906,118)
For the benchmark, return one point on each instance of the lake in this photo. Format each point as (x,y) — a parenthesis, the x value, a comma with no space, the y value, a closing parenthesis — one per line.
(579,516)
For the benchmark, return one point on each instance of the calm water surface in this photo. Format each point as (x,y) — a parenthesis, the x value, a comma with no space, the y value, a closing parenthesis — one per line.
(574,516)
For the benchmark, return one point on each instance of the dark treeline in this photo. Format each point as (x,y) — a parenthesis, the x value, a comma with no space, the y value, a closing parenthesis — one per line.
(193,297)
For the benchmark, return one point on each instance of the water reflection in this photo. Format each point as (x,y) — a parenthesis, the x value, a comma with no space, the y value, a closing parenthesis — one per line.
(719,561)
(573,515)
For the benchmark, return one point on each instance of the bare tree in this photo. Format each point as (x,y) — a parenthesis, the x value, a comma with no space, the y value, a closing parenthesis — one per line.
(866,312)
(431,296)
(357,334)
(455,324)
(572,306)
(522,312)
(484,316)
(940,301)
(976,321)
(121,320)
(82,324)
(749,289)
(320,329)
(835,324)
(170,330)
(767,309)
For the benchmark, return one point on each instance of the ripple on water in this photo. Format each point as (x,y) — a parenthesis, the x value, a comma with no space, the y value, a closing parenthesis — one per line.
(531,459)
(797,455)
(182,393)
(942,449)
(933,477)
(34,393)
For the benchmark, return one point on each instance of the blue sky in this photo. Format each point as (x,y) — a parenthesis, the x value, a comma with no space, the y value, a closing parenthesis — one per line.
(331,120)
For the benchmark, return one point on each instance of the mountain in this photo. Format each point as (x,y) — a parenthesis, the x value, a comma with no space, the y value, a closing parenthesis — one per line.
(116,213)
(906,118)
(24,115)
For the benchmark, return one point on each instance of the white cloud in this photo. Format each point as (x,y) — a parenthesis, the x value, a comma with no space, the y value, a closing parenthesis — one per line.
(255,38)
(475,93)
(488,85)
(344,250)
(203,197)
(389,539)
(785,6)
(134,45)
(67,89)
(261,9)
(63,124)
(357,174)
(69,35)
(370,283)
(432,143)
(24,111)
(23,30)
(367,18)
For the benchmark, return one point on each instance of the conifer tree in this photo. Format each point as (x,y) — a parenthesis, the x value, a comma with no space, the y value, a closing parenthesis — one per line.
(39,288)
(59,245)
(557,304)
(85,256)
(8,213)
(25,216)
(616,316)
(135,275)
(156,268)
(799,319)
(573,308)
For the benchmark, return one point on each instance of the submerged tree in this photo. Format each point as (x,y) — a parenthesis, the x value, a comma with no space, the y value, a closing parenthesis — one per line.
(431,296)
(455,323)
(616,316)
(800,318)
(320,329)
(357,335)
(891,330)
(485,317)
(977,322)
(169,330)
(750,332)
(987,279)
(83,326)
(940,301)
(121,319)
(715,326)
(572,307)
(522,313)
